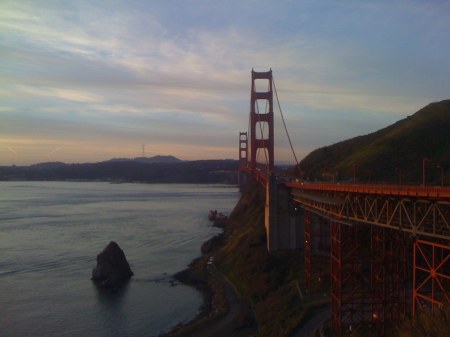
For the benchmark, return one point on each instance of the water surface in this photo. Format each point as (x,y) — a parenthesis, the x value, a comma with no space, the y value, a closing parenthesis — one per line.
(51,232)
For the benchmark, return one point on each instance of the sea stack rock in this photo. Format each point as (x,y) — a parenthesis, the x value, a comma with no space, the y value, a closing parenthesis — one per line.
(112,268)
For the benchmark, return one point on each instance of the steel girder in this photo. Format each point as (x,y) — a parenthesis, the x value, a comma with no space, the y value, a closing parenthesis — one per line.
(388,276)
(424,217)
(431,278)
(350,279)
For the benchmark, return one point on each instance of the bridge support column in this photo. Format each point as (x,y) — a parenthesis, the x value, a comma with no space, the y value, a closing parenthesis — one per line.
(350,281)
(431,278)
(388,276)
(284,227)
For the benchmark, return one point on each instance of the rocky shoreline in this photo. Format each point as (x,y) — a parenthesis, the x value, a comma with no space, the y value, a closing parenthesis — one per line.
(223,312)
(214,301)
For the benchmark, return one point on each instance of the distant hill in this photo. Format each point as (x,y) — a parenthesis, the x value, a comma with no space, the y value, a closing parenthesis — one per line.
(159,169)
(391,153)
(155,159)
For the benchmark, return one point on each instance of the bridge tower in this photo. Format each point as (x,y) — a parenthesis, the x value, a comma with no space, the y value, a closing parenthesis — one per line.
(261,122)
(243,159)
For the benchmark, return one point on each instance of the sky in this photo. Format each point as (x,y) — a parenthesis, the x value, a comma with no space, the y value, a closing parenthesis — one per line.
(86,81)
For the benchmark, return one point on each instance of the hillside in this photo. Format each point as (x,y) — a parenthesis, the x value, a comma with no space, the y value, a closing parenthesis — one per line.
(170,170)
(271,283)
(385,155)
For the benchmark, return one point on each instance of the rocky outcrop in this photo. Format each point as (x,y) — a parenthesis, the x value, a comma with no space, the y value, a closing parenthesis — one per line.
(112,268)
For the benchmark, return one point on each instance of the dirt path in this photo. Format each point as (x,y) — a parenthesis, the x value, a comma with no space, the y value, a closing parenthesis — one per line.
(314,323)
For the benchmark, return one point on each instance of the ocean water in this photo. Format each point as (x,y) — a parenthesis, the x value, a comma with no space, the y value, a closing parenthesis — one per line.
(51,233)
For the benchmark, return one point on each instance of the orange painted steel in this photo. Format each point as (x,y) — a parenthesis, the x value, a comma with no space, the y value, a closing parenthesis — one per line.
(431,278)
(388,276)
(385,190)
(419,216)
(350,285)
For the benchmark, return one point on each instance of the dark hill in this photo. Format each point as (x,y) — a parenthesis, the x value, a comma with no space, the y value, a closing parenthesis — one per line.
(198,172)
(385,155)
(155,159)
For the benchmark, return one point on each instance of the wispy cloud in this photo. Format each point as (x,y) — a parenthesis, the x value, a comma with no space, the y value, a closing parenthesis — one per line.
(128,70)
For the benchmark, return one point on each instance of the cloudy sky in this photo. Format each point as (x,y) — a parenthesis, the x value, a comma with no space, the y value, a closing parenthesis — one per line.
(85,81)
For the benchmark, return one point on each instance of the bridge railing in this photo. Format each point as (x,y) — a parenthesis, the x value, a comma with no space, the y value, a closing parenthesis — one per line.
(394,190)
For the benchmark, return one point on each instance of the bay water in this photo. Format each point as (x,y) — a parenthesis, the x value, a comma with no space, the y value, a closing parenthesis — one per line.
(51,233)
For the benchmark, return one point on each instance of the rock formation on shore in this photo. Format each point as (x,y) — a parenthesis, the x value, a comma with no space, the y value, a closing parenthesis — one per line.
(112,268)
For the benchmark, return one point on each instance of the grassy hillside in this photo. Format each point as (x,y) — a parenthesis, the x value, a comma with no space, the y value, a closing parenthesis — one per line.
(396,150)
(270,282)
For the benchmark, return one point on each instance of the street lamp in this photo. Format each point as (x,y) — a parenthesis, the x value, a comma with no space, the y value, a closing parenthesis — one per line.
(424,160)
(440,166)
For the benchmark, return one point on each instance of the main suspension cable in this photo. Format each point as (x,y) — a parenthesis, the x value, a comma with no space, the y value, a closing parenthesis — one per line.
(284,123)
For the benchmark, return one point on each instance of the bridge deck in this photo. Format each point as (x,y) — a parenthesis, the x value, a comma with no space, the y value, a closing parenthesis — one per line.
(384,190)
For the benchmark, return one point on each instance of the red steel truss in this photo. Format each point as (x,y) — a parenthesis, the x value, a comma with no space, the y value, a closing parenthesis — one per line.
(388,276)
(350,279)
(416,215)
(431,278)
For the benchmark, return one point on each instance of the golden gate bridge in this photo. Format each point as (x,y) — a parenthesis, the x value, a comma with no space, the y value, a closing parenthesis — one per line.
(388,245)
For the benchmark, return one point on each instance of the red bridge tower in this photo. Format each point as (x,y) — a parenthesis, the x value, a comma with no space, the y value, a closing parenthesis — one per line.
(261,122)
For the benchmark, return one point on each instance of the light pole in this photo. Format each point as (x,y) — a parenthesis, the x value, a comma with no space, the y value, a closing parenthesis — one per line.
(424,160)
(440,166)
(354,173)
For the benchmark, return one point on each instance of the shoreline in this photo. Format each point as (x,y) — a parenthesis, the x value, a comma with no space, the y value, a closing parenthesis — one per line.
(223,311)
(214,302)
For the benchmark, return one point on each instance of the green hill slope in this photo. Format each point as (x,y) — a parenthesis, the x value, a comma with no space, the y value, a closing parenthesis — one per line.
(384,155)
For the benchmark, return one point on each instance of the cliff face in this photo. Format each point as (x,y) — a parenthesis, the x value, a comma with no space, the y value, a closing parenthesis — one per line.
(270,282)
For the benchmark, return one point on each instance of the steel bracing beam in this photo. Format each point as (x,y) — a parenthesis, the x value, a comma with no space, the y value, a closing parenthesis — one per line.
(431,278)
(350,279)
(388,276)
(417,216)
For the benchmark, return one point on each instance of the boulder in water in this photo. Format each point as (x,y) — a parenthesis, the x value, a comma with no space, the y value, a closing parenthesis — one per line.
(112,268)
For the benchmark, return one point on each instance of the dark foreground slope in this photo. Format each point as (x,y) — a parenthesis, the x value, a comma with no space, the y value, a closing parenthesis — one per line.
(270,285)
(385,155)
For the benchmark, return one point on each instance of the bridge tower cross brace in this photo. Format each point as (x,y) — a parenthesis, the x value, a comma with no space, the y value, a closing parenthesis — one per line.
(261,123)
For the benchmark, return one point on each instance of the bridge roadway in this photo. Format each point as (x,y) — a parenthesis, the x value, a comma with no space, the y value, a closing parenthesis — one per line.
(418,210)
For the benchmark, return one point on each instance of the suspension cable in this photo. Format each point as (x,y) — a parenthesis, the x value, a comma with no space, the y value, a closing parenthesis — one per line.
(284,123)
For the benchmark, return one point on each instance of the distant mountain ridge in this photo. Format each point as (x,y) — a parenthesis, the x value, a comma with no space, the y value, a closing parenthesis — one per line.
(390,155)
(158,169)
(154,159)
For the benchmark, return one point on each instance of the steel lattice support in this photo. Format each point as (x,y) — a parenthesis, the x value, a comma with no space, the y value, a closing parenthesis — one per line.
(431,278)
(388,276)
(350,279)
